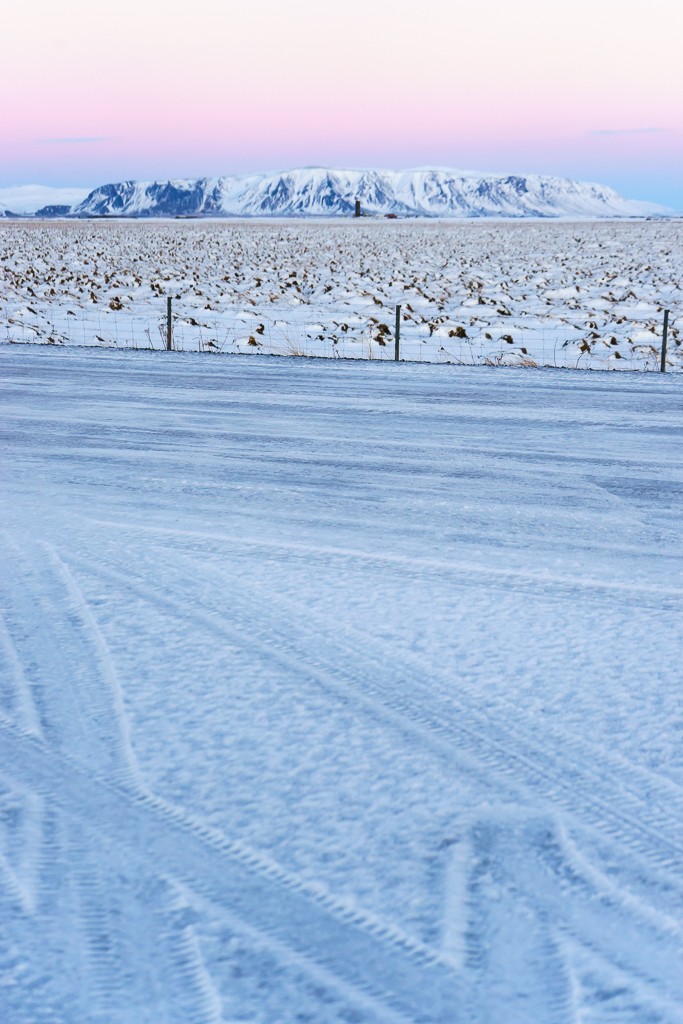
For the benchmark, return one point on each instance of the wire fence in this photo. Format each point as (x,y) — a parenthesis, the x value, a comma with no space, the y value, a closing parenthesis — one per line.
(537,336)
(569,295)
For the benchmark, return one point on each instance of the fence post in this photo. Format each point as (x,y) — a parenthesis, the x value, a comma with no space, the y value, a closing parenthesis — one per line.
(665,331)
(397,334)
(357,208)
(169,324)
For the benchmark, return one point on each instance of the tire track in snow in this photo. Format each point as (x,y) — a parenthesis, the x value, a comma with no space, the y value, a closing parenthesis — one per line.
(190,975)
(17,703)
(522,974)
(61,643)
(113,972)
(156,952)
(65,659)
(102,979)
(81,711)
(647,789)
(636,934)
(362,953)
(48,940)
(529,892)
(459,573)
(21,834)
(444,721)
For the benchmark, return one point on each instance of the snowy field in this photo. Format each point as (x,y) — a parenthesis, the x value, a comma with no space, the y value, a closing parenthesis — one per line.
(338,693)
(588,294)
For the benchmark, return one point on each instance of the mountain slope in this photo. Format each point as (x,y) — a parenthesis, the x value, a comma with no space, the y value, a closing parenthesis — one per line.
(324,192)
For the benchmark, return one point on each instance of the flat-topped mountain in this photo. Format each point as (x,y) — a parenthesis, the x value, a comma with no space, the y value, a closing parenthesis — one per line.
(323,192)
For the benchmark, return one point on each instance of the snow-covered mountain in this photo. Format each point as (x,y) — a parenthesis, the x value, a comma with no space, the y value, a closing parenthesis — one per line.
(322,192)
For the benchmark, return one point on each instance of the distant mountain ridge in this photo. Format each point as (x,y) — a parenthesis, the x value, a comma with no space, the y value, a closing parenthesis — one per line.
(321,191)
(318,191)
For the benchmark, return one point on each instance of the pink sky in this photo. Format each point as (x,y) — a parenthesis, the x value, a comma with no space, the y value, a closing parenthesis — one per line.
(99,92)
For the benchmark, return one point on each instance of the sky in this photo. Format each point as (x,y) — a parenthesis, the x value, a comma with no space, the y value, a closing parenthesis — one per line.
(92,92)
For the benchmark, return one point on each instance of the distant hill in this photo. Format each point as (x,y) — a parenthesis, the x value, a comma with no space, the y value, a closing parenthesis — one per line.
(53,210)
(324,192)
(26,200)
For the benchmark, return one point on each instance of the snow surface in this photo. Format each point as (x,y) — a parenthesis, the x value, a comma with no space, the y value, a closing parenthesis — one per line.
(544,293)
(338,692)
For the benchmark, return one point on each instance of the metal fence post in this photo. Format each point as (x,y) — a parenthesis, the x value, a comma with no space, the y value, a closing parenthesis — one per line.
(169,324)
(665,331)
(397,334)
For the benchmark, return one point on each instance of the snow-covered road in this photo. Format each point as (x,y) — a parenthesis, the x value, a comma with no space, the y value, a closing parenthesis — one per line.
(338,692)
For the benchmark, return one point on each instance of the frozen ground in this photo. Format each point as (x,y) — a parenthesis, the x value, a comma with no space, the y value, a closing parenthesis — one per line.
(338,692)
(543,293)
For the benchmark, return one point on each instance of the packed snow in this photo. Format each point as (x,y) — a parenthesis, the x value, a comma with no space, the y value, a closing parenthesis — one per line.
(544,293)
(337,692)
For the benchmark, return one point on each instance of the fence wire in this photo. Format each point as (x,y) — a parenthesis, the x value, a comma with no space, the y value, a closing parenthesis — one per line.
(586,295)
(474,335)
